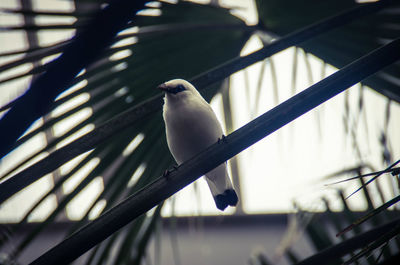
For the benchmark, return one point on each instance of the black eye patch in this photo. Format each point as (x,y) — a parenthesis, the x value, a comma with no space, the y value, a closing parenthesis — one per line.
(177,89)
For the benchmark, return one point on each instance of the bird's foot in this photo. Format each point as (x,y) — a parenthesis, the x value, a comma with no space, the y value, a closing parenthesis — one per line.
(168,171)
(222,139)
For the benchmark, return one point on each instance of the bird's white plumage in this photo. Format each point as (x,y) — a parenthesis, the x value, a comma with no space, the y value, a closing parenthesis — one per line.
(191,126)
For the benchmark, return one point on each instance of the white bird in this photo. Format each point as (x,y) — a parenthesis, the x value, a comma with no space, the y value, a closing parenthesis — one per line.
(191,126)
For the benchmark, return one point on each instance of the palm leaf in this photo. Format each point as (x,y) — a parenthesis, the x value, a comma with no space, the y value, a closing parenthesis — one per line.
(351,244)
(120,122)
(111,90)
(106,78)
(164,187)
(361,36)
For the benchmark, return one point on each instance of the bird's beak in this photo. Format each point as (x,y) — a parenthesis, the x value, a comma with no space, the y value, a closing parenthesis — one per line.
(163,87)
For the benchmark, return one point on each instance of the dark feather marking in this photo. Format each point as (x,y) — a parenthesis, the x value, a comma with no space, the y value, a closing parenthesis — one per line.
(229,197)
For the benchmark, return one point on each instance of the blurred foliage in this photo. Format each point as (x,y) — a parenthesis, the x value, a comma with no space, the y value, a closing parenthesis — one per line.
(159,48)
(343,45)
(331,237)
(185,40)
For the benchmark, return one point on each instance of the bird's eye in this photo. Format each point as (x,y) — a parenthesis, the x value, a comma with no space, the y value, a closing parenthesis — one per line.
(180,87)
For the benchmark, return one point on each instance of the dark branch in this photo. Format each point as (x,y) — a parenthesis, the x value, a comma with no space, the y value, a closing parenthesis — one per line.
(162,188)
(115,125)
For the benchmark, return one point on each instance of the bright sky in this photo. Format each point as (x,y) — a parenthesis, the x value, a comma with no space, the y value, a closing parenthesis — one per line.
(284,167)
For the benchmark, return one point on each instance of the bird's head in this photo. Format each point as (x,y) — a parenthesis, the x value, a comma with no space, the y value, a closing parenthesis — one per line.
(178,88)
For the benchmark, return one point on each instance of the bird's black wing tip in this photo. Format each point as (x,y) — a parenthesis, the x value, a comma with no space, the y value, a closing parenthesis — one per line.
(228,198)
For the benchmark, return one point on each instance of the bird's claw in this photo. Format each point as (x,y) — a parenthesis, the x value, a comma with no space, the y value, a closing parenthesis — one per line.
(168,171)
(222,139)
(165,173)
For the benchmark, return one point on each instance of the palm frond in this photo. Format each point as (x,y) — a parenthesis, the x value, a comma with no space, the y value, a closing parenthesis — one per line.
(361,36)
(164,187)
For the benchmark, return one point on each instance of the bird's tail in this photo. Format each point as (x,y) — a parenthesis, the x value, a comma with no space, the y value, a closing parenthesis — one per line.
(221,187)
